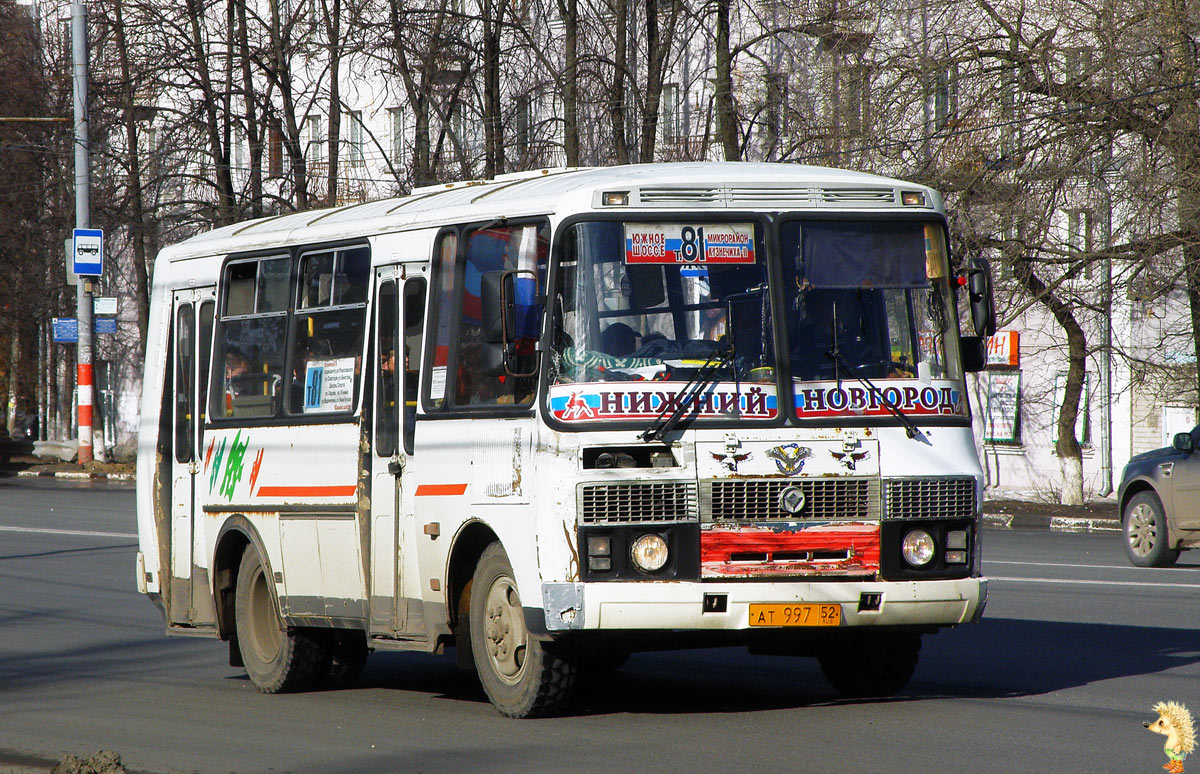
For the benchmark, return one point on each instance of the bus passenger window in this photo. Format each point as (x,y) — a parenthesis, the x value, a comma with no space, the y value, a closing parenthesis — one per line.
(252,329)
(330,320)
(459,374)
(386,411)
(414,333)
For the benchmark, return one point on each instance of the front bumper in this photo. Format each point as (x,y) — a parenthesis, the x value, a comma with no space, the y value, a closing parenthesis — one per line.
(679,606)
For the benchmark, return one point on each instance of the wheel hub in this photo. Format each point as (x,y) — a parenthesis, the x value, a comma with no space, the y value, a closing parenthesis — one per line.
(1142,530)
(504,630)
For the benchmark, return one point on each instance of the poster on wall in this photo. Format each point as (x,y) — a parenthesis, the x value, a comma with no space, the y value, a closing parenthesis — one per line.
(1003,392)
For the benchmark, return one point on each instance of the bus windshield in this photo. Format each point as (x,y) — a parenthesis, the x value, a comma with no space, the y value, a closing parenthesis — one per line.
(654,302)
(862,299)
(642,307)
(870,300)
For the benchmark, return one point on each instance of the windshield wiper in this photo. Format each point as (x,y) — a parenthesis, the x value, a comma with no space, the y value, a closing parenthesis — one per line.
(910,427)
(704,376)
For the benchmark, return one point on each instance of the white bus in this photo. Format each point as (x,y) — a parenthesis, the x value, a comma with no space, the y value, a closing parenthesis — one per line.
(555,418)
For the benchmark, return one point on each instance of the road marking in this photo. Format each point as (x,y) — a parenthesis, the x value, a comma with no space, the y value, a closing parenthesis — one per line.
(1072,581)
(79,532)
(1090,566)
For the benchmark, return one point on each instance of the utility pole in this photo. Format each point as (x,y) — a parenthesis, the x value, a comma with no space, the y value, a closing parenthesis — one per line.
(83,291)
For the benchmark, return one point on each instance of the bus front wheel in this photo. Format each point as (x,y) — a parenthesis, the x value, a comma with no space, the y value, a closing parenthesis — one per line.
(872,665)
(521,676)
(278,660)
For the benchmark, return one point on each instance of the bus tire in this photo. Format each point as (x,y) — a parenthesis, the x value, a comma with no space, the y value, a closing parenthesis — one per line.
(521,676)
(873,665)
(278,660)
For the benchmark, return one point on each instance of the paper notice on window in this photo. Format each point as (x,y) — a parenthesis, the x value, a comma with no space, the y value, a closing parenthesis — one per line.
(437,383)
(329,386)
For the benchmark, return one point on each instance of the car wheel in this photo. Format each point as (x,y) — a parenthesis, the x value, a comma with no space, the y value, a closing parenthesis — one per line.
(1147,540)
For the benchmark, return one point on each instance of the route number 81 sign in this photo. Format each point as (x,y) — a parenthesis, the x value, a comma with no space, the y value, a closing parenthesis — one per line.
(689,244)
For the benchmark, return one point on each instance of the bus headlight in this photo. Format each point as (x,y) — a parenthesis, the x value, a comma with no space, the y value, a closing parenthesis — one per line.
(649,553)
(917,548)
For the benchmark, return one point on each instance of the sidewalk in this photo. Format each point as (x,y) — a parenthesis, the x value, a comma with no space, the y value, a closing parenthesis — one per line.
(27,466)
(1096,516)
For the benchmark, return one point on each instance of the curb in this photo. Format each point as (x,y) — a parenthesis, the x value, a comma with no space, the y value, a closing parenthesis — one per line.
(1050,523)
(76,475)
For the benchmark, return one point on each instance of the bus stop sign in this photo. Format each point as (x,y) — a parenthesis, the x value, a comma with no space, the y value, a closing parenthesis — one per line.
(88,251)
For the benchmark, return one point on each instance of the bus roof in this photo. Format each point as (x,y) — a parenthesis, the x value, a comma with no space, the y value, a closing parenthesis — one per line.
(672,186)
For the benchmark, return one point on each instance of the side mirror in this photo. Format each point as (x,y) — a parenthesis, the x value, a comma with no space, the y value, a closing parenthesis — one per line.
(979,292)
(496,306)
(1183,442)
(974,353)
(508,308)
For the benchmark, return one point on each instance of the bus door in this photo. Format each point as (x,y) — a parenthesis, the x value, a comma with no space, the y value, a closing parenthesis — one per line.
(190,602)
(399,326)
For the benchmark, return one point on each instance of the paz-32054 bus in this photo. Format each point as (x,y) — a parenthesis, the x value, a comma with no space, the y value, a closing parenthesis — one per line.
(554,418)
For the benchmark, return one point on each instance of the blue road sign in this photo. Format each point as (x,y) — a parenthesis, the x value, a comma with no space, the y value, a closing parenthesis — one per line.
(88,251)
(66,329)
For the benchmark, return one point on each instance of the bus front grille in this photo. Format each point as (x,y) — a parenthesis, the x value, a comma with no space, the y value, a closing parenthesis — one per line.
(637,502)
(824,499)
(930,498)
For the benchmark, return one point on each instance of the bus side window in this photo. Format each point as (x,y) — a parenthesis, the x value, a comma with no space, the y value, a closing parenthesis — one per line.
(386,393)
(207,309)
(185,353)
(523,247)
(251,331)
(414,334)
(330,320)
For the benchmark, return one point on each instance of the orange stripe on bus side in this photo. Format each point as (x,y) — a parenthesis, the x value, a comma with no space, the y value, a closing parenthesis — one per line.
(441,489)
(307,491)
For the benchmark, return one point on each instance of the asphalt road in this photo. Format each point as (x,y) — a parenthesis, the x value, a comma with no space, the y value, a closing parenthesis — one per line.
(1075,647)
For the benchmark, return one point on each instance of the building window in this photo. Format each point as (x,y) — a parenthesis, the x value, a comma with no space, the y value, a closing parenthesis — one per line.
(521,121)
(353,123)
(397,137)
(275,153)
(314,140)
(669,110)
(945,97)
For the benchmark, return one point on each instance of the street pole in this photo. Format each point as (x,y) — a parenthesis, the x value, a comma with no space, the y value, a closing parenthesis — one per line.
(83,291)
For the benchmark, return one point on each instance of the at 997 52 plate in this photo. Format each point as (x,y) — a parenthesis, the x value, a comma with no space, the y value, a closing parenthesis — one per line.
(795,615)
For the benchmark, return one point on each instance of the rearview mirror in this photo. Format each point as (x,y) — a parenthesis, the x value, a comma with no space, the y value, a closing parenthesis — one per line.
(979,292)
(496,306)
(1182,442)
(508,319)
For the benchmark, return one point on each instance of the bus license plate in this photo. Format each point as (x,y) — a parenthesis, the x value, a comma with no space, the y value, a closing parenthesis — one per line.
(795,615)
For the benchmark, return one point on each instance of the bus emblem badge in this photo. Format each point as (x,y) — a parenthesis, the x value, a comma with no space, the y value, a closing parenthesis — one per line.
(792,500)
(789,457)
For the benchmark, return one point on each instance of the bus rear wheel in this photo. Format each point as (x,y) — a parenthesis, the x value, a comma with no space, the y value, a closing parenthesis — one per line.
(278,660)
(873,665)
(521,676)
